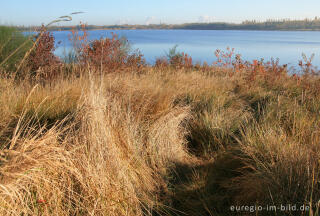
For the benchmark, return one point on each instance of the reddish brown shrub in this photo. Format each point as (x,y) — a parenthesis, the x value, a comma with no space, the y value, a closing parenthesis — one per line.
(135,61)
(224,58)
(161,62)
(111,54)
(306,66)
(181,60)
(42,57)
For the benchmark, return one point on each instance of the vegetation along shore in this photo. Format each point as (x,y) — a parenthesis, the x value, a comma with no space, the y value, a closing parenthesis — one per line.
(268,25)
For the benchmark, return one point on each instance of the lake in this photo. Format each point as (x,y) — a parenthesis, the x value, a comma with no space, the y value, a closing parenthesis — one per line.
(201,44)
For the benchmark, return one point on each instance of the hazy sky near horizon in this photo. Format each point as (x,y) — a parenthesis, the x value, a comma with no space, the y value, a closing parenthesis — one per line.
(107,12)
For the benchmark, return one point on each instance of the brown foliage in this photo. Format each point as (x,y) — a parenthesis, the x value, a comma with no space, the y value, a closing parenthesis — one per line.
(110,54)
(42,61)
(181,60)
(161,63)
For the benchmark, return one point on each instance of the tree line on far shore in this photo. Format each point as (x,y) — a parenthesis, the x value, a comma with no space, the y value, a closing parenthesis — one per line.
(270,24)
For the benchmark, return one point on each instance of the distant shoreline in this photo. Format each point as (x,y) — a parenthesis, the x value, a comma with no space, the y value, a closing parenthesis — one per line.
(269,25)
(177,29)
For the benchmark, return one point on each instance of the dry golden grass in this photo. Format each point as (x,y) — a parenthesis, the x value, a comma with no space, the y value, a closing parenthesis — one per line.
(101,154)
(163,142)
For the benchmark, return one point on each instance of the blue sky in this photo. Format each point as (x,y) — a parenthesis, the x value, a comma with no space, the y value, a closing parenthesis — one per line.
(100,12)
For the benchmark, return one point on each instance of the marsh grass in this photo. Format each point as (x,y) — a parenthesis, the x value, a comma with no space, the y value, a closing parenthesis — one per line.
(173,139)
(13,46)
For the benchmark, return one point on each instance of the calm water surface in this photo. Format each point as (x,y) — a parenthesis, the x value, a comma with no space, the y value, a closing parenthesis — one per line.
(285,45)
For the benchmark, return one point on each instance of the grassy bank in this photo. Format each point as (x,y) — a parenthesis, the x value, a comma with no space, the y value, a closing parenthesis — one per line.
(118,137)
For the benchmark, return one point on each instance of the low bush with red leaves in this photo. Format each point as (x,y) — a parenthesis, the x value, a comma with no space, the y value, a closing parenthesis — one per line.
(178,60)
(161,63)
(111,54)
(42,61)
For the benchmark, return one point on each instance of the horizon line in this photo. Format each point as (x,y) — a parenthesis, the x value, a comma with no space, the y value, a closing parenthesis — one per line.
(316,18)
